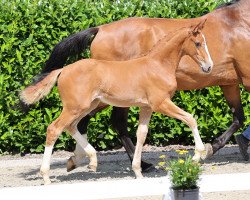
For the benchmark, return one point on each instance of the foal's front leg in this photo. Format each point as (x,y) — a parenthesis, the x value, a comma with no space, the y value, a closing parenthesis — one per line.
(141,135)
(167,107)
(119,120)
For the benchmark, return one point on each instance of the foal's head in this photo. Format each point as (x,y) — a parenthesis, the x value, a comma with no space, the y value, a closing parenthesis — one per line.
(195,46)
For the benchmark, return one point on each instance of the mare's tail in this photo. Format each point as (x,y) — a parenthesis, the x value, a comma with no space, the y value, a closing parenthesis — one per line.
(73,45)
(39,89)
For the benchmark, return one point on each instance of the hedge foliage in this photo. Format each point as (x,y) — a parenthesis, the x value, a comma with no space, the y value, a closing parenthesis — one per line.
(29,29)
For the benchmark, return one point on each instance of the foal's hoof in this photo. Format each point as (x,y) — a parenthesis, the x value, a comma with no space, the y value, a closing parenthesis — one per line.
(139,177)
(46,179)
(92,168)
(47,182)
(147,167)
(196,158)
(70,164)
(209,150)
(138,174)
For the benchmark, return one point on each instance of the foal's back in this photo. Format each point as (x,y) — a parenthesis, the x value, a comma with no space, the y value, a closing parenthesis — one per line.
(109,81)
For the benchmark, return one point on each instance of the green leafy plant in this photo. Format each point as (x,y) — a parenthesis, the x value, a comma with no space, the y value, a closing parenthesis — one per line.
(184,172)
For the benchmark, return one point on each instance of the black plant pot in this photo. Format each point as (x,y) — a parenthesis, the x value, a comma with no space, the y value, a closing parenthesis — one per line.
(191,194)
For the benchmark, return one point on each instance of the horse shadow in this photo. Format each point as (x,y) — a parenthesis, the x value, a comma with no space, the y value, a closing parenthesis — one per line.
(121,169)
(105,171)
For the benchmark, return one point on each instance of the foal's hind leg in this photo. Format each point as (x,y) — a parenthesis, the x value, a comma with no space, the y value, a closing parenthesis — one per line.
(76,160)
(141,135)
(53,132)
(87,148)
(83,148)
(167,107)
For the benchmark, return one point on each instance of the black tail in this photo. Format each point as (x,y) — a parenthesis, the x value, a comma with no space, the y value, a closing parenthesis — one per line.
(73,45)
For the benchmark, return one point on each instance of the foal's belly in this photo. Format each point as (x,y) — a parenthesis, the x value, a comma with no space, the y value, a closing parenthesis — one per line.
(123,102)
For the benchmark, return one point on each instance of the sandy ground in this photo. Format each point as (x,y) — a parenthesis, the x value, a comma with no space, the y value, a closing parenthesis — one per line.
(24,171)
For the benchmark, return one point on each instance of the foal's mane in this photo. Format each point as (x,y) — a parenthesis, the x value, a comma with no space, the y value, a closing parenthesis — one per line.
(169,36)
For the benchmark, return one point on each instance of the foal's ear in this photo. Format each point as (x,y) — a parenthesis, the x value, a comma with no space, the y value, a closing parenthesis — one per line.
(197,29)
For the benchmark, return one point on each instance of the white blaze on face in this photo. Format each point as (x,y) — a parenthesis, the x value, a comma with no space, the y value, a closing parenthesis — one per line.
(209,57)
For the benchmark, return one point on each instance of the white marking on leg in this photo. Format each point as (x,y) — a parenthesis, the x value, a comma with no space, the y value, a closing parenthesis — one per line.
(45,167)
(199,146)
(90,151)
(197,139)
(141,135)
(76,160)
(79,153)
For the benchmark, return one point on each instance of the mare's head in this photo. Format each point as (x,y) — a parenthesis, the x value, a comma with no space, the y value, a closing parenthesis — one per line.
(196,47)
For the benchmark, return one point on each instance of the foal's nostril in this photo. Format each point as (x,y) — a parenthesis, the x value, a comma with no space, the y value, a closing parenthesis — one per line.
(207,69)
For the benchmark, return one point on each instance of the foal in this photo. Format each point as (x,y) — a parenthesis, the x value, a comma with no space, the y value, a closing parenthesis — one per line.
(148,82)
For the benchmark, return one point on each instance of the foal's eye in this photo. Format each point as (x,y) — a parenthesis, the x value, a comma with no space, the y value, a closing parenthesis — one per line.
(197,44)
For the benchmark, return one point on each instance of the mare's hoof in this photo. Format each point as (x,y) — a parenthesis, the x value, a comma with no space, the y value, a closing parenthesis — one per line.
(209,150)
(147,167)
(92,168)
(70,164)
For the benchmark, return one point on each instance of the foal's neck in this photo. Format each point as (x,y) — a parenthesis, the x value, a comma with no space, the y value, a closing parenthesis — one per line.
(169,49)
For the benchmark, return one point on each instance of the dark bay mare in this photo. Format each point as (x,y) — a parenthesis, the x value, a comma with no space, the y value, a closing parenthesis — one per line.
(227,33)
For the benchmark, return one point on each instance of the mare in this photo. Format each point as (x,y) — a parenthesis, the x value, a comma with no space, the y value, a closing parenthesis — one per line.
(148,82)
(227,32)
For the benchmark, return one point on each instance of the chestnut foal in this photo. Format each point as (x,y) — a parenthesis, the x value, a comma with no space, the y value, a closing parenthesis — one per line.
(148,82)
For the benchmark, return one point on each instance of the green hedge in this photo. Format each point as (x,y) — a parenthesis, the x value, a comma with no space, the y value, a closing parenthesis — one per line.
(28,31)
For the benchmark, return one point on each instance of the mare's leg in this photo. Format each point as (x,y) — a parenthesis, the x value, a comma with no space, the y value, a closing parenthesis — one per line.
(141,135)
(53,132)
(167,107)
(232,95)
(119,119)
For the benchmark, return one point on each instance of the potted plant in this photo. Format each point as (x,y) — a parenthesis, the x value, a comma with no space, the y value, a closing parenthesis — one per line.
(184,174)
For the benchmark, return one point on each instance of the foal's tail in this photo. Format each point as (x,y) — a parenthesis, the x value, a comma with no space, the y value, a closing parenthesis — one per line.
(71,46)
(40,88)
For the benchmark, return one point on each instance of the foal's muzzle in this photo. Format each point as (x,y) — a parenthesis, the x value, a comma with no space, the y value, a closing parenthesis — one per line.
(206,67)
